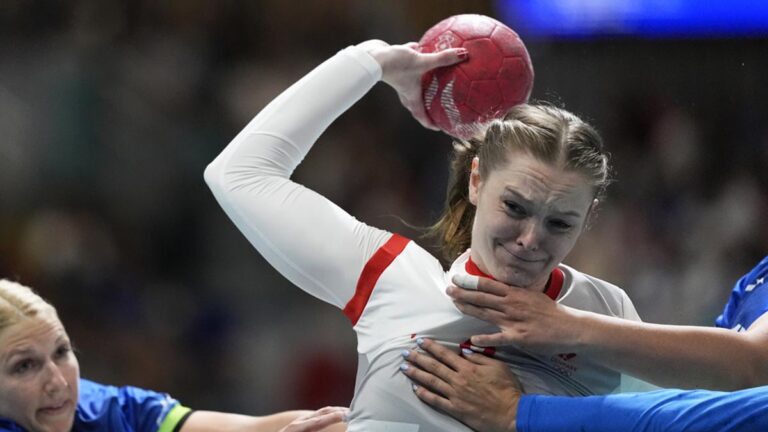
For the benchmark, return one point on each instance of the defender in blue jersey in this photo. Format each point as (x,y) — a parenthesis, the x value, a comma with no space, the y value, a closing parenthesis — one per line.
(107,408)
(41,389)
(476,390)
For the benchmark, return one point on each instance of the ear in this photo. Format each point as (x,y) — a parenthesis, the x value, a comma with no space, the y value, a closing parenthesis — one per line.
(474,181)
(591,213)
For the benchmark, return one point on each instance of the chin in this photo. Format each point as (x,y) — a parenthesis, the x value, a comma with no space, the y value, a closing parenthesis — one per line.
(62,424)
(523,277)
(515,277)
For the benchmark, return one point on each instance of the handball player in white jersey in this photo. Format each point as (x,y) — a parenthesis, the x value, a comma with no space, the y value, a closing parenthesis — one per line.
(519,199)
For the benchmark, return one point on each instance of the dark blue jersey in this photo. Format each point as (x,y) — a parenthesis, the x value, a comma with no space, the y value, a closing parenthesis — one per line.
(120,409)
(749,299)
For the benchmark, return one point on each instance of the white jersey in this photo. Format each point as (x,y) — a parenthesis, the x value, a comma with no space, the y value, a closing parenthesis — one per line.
(390,288)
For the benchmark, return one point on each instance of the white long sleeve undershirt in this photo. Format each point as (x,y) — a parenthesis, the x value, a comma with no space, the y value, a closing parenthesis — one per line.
(311,241)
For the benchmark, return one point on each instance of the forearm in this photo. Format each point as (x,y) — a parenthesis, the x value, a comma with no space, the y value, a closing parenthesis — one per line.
(301,113)
(675,356)
(212,421)
(666,410)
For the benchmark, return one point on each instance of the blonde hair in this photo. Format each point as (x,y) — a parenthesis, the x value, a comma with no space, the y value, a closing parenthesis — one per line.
(18,302)
(550,134)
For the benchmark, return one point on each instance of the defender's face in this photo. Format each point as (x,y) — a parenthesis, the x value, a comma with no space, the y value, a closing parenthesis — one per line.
(38,375)
(529,216)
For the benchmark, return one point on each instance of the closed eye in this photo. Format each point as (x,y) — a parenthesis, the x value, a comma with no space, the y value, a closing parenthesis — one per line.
(515,209)
(560,225)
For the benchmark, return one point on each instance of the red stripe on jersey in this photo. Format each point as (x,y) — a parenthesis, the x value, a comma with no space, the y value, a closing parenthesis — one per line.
(555,283)
(371,273)
(552,289)
(474,270)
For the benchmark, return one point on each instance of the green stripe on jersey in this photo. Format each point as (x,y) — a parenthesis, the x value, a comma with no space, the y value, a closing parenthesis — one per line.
(172,419)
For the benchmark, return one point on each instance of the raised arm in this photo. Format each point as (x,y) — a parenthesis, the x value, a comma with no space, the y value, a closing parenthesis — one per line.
(310,240)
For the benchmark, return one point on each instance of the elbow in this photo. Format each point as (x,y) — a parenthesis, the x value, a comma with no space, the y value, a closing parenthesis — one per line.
(212,176)
(757,368)
(753,372)
(757,375)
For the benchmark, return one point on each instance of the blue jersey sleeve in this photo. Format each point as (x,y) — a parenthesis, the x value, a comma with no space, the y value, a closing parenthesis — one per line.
(662,411)
(124,409)
(748,301)
(9,426)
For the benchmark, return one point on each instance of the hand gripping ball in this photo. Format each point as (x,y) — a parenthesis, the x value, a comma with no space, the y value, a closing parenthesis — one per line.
(497,76)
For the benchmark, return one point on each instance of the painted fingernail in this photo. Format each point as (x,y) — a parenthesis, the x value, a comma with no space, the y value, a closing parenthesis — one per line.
(414,387)
(466,281)
(404,367)
(405,353)
(419,341)
(467,351)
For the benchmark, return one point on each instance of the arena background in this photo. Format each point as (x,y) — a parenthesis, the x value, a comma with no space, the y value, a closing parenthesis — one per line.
(111,110)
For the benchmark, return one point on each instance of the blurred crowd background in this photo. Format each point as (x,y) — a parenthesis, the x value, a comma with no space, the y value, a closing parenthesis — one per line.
(110,111)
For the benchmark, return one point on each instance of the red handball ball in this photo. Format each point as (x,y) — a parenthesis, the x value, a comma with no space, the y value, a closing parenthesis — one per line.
(497,76)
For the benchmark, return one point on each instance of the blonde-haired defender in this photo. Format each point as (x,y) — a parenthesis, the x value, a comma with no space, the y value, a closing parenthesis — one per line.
(41,389)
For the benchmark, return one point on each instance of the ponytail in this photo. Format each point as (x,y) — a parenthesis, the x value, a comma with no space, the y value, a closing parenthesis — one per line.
(454,228)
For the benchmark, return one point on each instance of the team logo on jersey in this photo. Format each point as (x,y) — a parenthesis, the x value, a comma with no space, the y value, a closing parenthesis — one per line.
(752,286)
(563,364)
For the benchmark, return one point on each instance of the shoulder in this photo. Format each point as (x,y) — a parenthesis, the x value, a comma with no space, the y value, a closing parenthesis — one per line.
(399,263)
(406,254)
(586,292)
(9,426)
(748,300)
(93,394)
(126,408)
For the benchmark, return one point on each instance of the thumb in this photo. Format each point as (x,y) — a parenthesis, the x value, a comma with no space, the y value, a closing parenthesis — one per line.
(489,340)
(446,57)
(475,357)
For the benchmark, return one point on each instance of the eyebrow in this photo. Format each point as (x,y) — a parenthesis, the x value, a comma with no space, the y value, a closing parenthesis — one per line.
(570,213)
(16,352)
(27,350)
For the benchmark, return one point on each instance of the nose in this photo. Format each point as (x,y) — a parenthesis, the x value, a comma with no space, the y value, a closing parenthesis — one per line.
(55,381)
(529,236)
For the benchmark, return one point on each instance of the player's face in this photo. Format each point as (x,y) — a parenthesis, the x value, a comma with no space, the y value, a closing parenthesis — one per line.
(38,375)
(529,216)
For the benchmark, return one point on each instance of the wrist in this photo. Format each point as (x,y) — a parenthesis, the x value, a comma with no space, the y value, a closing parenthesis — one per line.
(583,326)
(375,48)
(512,412)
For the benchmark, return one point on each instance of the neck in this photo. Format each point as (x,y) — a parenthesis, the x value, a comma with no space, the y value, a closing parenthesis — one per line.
(550,286)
